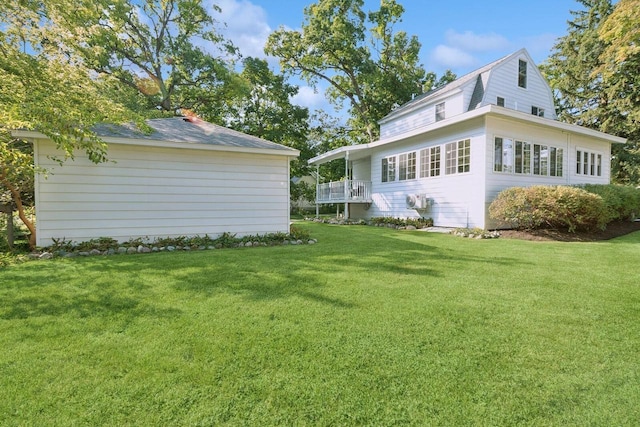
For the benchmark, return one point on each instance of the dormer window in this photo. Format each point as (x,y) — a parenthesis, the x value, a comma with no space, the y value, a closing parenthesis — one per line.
(522,74)
(537,111)
(439,111)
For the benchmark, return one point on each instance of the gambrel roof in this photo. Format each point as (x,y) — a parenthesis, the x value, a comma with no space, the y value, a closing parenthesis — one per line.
(478,77)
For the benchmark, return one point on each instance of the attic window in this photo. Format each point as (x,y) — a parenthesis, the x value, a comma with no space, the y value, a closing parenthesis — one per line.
(500,101)
(522,73)
(440,112)
(537,111)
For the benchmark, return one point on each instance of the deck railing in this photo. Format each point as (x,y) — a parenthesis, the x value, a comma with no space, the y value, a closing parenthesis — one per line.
(349,191)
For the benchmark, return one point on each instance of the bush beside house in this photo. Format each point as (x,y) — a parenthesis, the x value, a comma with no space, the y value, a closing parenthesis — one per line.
(579,208)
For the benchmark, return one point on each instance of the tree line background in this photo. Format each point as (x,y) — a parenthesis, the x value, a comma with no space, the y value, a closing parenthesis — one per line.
(67,65)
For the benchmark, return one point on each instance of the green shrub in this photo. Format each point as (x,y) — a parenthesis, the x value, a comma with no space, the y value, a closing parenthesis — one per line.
(560,207)
(622,202)
(402,222)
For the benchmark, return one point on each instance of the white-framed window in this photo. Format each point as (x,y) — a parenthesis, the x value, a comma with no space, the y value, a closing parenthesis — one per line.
(440,115)
(503,156)
(522,74)
(588,163)
(537,111)
(457,157)
(521,157)
(407,166)
(389,169)
(430,162)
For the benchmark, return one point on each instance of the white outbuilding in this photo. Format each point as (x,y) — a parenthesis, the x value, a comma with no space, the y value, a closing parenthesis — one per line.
(188,177)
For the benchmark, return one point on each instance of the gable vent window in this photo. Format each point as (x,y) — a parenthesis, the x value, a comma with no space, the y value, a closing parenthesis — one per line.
(537,111)
(522,74)
(439,111)
(500,101)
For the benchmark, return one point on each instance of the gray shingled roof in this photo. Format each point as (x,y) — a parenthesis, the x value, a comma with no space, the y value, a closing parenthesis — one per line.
(427,96)
(190,131)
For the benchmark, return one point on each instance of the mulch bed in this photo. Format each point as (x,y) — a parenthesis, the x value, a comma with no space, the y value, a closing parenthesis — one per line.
(615,229)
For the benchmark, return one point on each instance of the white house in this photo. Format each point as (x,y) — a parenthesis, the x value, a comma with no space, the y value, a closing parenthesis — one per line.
(447,153)
(188,177)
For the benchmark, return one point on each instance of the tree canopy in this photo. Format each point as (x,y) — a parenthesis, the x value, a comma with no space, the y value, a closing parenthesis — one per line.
(359,55)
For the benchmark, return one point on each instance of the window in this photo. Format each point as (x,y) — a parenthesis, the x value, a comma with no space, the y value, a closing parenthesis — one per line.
(430,162)
(434,166)
(522,157)
(500,101)
(578,161)
(555,161)
(457,157)
(522,74)
(503,158)
(588,163)
(439,111)
(537,111)
(407,166)
(389,169)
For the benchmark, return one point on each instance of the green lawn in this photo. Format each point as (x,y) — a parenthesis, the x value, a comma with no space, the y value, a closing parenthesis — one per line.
(370,326)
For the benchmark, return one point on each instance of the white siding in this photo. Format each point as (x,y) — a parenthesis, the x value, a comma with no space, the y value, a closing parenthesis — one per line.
(503,82)
(458,198)
(423,116)
(160,192)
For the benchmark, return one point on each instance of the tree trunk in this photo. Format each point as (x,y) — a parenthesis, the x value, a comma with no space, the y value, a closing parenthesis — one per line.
(15,194)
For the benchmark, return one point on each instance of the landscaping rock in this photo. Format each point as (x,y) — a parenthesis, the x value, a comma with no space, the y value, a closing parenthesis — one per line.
(131,250)
(171,248)
(155,249)
(122,250)
(45,255)
(83,253)
(410,227)
(111,251)
(95,252)
(311,242)
(211,247)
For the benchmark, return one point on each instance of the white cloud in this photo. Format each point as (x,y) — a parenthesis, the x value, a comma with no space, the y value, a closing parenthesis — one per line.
(310,98)
(452,57)
(472,42)
(246,26)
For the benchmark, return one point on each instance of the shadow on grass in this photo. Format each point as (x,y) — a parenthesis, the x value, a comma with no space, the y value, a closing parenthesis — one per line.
(77,288)
(127,284)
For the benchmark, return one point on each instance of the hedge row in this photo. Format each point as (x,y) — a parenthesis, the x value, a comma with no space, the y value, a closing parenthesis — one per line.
(586,207)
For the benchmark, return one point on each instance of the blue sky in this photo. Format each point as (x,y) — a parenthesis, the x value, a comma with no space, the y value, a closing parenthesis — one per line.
(460,35)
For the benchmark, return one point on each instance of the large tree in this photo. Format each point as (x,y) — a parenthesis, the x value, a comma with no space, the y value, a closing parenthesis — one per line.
(620,72)
(590,90)
(262,107)
(168,50)
(358,55)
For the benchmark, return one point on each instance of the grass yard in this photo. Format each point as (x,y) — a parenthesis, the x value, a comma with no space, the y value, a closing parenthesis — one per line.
(370,326)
